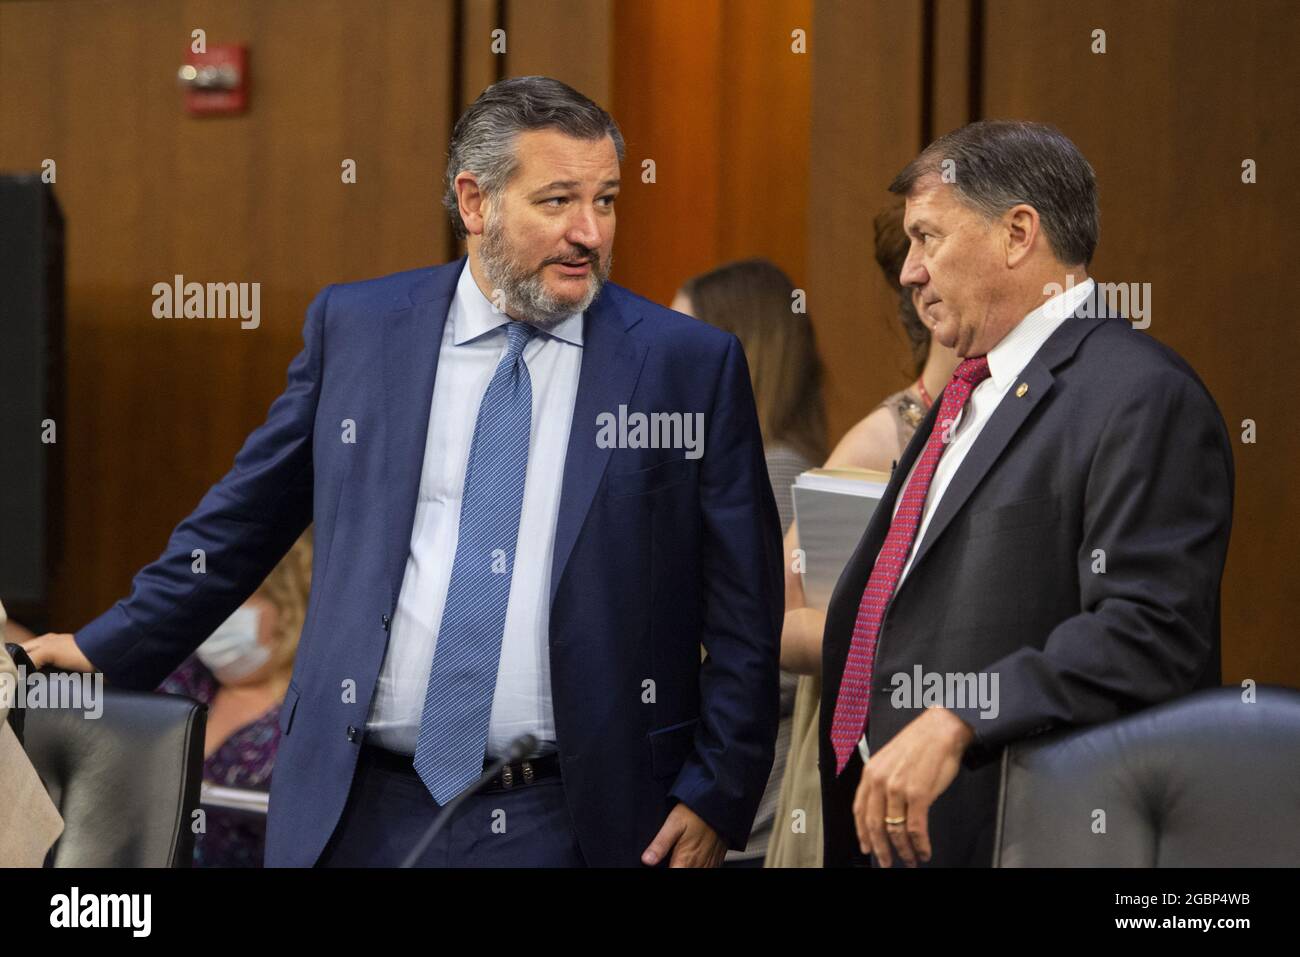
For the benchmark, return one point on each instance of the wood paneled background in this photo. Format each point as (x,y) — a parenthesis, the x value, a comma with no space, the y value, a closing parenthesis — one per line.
(156,409)
(757,149)
(1183,95)
(714,96)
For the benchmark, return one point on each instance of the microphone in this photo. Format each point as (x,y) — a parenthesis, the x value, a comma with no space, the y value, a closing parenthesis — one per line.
(519,749)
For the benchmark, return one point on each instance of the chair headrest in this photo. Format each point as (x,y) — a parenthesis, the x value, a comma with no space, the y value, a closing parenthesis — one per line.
(1208,780)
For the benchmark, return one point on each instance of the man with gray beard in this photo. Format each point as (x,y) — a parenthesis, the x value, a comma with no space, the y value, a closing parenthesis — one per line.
(506,616)
(523,287)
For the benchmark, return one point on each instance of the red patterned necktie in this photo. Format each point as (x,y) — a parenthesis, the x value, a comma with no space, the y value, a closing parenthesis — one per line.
(855,688)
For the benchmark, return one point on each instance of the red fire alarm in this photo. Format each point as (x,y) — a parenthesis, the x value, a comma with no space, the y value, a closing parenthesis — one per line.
(216,81)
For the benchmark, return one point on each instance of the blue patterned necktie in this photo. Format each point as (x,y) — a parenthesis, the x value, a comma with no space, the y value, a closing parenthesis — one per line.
(452,742)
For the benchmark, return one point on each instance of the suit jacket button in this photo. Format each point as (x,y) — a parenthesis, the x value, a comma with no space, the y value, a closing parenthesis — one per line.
(352,733)
(384,620)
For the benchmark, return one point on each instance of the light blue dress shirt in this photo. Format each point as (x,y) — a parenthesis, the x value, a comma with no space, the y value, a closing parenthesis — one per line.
(473,342)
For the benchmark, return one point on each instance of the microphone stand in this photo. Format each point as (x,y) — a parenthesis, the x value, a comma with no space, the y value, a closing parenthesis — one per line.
(520,748)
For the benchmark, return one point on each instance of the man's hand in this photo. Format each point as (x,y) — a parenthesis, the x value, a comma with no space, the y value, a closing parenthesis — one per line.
(902,780)
(58,651)
(691,842)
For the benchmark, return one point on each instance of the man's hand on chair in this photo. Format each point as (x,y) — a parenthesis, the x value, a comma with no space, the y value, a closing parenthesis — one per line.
(52,650)
(900,782)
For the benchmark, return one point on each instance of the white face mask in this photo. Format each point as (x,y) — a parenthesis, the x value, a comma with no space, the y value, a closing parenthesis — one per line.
(233,652)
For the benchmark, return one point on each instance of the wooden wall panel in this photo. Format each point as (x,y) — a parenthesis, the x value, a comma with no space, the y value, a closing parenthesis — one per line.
(480,67)
(714,95)
(865,127)
(1183,94)
(570,40)
(156,409)
(765,94)
(950,66)
(665,80)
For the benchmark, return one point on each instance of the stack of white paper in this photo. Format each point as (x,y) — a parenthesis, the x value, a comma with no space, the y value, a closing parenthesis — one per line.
(832,508)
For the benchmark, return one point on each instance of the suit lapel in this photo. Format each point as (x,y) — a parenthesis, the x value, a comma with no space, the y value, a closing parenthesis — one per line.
(1012,413)
(412,342)
(997,433)
(611,364)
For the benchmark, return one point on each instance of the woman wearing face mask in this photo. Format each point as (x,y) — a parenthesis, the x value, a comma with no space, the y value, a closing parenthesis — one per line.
(241,672)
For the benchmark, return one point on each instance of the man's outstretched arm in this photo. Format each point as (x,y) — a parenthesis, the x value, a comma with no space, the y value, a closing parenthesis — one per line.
(221,552)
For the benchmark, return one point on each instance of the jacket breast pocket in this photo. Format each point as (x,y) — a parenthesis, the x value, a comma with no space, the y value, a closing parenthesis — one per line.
(645,481)
(669,747)
(1044,510)
(288,707)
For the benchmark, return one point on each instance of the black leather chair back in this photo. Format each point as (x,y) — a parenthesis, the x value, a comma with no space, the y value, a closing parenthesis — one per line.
(127,783)
(1208,780)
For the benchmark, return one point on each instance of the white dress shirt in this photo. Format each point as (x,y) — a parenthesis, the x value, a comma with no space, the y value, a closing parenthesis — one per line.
(473,343)
(1007,360)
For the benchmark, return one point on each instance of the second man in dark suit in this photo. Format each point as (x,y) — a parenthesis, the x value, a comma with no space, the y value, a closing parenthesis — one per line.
(1050,548)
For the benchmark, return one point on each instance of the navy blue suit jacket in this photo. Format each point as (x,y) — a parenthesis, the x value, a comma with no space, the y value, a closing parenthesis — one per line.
(655,555)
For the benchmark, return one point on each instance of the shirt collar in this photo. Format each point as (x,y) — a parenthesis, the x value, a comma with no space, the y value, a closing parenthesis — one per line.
(472,315)
(1018,346)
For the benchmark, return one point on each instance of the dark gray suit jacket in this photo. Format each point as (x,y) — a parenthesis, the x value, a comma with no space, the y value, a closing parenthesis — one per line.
(1115,445)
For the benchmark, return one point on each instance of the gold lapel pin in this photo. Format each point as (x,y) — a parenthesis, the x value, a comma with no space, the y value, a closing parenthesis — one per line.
(1021,390)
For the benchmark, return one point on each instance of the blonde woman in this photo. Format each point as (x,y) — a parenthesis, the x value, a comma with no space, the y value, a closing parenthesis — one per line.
(241,673)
